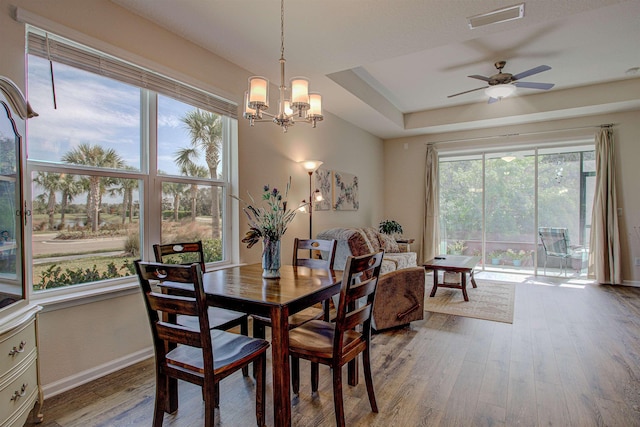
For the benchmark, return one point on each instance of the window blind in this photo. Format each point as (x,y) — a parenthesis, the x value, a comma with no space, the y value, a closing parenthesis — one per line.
(78,56)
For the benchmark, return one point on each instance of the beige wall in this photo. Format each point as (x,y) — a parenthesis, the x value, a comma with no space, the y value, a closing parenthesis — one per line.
(405,160)
(80,341)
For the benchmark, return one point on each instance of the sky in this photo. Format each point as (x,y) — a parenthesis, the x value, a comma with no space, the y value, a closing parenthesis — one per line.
(97,110)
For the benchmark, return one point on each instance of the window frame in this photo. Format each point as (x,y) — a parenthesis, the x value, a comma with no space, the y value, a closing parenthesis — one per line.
(150,193)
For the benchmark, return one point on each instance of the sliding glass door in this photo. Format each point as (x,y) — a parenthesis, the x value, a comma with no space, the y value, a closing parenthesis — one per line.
(493,204)
(510,208)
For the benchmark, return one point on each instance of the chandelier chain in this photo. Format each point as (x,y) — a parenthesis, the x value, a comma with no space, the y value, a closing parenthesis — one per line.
(281,29)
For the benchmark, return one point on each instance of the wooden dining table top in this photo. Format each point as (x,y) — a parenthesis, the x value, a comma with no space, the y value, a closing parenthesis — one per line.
(245,283)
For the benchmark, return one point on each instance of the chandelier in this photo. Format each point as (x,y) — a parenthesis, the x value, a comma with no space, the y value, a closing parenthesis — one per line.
(299,105)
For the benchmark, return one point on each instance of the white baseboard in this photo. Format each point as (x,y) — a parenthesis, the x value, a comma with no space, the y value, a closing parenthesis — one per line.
(634,283)
(84,377)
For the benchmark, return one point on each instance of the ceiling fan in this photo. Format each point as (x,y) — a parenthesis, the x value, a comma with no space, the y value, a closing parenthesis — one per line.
(504,84)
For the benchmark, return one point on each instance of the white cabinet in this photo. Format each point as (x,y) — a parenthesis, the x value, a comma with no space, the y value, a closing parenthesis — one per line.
(19,384)
(19,377)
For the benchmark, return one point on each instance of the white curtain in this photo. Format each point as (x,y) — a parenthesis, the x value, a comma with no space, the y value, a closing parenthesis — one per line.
(604,248)
(431,227)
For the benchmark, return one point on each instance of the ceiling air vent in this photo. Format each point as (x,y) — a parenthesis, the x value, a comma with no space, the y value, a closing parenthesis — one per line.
(501,15)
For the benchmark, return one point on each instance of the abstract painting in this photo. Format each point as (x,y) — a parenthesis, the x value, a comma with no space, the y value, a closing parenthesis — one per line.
(345,192)
(323,183)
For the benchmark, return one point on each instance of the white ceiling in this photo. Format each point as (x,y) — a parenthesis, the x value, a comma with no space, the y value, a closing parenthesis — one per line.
(377,61)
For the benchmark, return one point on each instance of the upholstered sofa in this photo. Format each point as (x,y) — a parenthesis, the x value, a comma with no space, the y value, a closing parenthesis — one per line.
(361,241)
(400,295)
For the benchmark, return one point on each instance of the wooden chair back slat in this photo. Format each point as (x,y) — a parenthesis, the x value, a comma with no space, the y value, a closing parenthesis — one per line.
(178,334)
(314,246)
(185,253)
(173,304)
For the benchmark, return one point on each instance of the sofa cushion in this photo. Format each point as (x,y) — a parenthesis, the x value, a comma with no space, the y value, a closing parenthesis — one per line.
(388,243)
(371,235)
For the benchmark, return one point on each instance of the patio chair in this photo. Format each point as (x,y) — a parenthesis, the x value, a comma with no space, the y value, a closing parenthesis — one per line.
(556,244)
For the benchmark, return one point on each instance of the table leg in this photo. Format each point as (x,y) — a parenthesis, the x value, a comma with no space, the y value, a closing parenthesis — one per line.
(463,284)
(280,366)
(473,280)
(435,283)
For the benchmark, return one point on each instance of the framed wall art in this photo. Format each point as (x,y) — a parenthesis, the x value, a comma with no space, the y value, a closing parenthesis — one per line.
(323,183)
(345,192)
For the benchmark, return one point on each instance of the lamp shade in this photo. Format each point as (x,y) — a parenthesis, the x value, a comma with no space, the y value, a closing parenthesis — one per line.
(258,92)
(300,90)
(310,165)
(315,99)
(500,91)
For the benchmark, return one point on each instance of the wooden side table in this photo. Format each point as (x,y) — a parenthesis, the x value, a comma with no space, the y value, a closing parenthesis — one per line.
(454,263)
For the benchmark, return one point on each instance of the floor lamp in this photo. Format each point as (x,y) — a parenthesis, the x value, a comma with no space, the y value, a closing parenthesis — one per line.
(314,196)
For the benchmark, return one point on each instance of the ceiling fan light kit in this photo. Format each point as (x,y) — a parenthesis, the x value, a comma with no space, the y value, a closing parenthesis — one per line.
(296,105)
(505,84)
(500,91)
(494,17)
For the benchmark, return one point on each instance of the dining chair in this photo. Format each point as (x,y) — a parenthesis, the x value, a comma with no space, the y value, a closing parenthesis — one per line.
(312,248)
(185,254)
(199,355)
(337,343)
(219,318)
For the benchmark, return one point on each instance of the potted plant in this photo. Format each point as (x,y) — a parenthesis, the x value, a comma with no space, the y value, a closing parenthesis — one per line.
(390,227)
(495,256)
(456,247)
(519,256)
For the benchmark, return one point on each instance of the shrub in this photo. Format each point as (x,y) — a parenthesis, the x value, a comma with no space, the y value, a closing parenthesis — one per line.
(132,245)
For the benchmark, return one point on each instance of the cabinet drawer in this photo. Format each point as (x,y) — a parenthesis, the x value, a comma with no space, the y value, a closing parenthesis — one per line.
(20,391)
(16,345)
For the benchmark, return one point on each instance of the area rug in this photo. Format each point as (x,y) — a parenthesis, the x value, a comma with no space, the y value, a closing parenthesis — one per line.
(491,300)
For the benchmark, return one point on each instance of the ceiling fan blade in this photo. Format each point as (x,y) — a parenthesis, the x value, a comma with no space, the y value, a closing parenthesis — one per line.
(536,70)
(532,85)
(483,78)
(466,91)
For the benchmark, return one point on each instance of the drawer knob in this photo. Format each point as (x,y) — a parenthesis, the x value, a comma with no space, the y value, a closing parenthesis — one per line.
(18,349)
(18,394)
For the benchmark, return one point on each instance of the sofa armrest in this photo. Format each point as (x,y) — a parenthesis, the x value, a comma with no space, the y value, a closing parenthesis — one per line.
(399,298)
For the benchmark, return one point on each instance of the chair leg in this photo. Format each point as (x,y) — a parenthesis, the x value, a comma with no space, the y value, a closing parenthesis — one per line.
(315,375)
(258,332)
(211,397)
(337,396)
(161,400)
(244,330)
(295,374)
(217,395)
(366,361)
(261,365)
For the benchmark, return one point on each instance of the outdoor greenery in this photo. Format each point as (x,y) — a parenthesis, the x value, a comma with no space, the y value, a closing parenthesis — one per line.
(74,208)
(509,214)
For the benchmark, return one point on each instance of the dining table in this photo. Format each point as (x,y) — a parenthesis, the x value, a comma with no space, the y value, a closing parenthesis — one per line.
(242,288)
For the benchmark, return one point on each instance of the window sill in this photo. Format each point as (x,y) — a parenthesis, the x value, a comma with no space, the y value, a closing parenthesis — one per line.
(71,297)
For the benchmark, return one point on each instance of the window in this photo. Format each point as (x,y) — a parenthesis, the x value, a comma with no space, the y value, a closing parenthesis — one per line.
(491,203)
(118,159)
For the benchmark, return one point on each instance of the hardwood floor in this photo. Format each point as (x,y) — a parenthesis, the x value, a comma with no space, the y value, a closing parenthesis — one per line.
(570,358)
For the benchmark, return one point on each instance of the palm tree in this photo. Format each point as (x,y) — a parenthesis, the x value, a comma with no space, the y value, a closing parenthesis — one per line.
(125,187)
(50,182)
(205,130)
(70,188)
(188,168)
(95,155)
(176,190)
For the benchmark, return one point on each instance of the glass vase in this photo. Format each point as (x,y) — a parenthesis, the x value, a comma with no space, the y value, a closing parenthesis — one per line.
(270,259)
